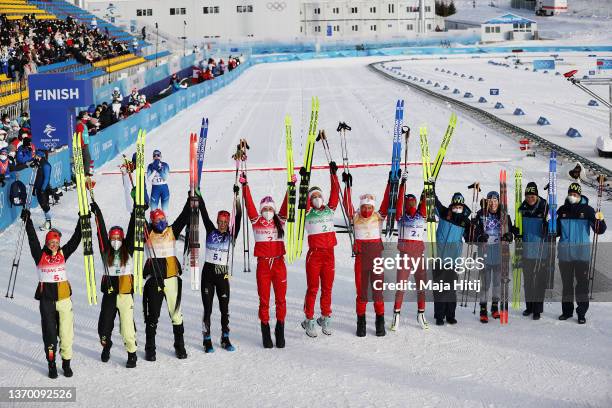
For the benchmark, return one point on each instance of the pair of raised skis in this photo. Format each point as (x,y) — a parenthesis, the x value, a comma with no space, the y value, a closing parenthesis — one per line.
(197,148)
(430,175)
(296,222)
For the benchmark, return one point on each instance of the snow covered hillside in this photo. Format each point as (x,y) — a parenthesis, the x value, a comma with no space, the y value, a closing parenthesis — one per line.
(546,363)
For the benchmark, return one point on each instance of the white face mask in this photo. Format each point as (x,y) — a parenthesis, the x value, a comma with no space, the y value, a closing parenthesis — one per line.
(457,210)
(116,244)
(573,199)
(268,215)
(317,202)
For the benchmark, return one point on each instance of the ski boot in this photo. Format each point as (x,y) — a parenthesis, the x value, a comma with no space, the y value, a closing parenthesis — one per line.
(52,370)
(361,326)
(131,361)
(495,310)
(439,322)
(484,316)
(50,352)
(265,335)
(66,367)
(325,323)
(451,320)
(395,321)
(179,342)
(309,326)
(106,347)
(380,325)
(279,334)
(581,320)
(564,317)
(536,316)
(150,330)
(207,343)
(225,342)
(421,320)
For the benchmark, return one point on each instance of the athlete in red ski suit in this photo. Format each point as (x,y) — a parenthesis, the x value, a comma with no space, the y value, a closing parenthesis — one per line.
(320,261)
(268,229)
(367,225)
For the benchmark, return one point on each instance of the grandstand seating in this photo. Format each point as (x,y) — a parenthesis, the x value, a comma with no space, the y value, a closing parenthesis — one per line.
(16,9)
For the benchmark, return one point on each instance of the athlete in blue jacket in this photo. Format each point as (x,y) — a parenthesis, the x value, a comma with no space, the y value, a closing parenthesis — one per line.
(158,172)
(575,219)
(454,223)
(534,212)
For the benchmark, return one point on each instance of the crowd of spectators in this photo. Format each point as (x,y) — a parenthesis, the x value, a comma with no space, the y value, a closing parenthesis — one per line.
(28,43)
(210,69)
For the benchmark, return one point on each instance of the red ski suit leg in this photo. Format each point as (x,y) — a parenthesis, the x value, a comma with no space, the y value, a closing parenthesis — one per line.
(272,272)
(365,263)
(320,267)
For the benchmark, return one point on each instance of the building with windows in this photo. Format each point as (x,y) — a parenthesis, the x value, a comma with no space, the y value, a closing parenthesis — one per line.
(289,20)
(508,27)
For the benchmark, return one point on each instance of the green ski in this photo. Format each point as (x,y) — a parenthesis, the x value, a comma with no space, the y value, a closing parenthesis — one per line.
(305,178)
(517,258)
(139,213)
(84,219)
(290,190)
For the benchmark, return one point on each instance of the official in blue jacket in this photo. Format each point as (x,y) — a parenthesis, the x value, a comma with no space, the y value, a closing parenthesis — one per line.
(454,222)
(575,219)
(534,212)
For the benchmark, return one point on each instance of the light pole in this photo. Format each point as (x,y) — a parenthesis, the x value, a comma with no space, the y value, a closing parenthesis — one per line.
(184,37)
(604,144)
(156,42)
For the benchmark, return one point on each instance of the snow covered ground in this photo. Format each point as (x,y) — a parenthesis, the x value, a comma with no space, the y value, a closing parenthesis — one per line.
(538,94)
(548,363)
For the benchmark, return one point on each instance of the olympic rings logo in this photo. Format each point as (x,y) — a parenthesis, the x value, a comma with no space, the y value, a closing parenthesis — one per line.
(276,5)
(50,145)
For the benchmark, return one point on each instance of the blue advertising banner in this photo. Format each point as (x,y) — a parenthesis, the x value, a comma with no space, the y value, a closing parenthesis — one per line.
(543,64)
(604,64)
(53,98)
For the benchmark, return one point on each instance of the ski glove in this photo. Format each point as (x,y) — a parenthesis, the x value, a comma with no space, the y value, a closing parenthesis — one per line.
(404,176)
(599,216)
(507,237)
(25,214)
(333,167)
(293,178)
(243,179)
(303,171)
(347,178)
(236,188)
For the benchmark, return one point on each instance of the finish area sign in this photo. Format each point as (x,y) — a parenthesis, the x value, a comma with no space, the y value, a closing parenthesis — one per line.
(53,99)
(59,90)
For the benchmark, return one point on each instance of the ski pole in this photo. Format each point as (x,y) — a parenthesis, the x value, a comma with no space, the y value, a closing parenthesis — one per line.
(593,258)
(20,238)
(99,234)
(323,138)
(245,225)
(346,174)
(475,193)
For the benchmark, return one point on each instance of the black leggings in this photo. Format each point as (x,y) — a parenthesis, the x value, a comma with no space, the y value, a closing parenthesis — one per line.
(215,277)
